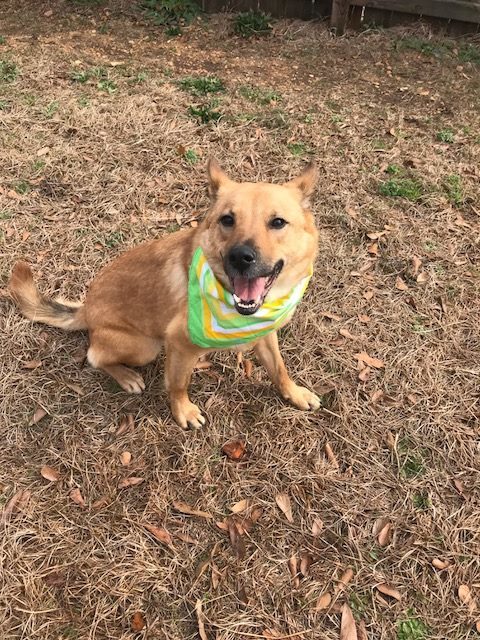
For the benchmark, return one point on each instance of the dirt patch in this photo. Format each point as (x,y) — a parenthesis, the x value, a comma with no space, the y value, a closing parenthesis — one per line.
(101,152)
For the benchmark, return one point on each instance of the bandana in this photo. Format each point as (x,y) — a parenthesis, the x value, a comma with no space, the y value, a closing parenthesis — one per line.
(214,322)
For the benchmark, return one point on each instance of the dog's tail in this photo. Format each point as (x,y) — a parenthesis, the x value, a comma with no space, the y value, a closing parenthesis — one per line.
(34,306)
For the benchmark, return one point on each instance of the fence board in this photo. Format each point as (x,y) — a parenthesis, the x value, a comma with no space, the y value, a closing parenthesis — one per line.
(464,10)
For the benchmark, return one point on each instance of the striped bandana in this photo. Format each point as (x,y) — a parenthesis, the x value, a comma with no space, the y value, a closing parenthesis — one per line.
(213,321)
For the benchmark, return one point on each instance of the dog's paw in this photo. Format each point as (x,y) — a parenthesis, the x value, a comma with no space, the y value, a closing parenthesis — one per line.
(131,381)
(188,414)
(302,398)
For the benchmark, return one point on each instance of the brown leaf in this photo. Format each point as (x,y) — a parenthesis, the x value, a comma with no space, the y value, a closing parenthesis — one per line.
(248,367)
(32,364)
(400,284)
(369,361)
(222,525)
(373,249)
(330,316)
(137,622)
(348,628)
(37,416)
(16,502)
(186,538)
(76,496)
(293,568)
(323,601)
(387,590)
(49,473)
(364,374)
(362,631)
(330,455)
(466,597)
(283,501)
(440,564)
(181,150)
(368,295)
(125,458)
(240,506)
(234,449)
(422,278)
(129,482)
(160,534)
(256,514)
(236,539)
(364,318)
(458,484)
(43,151)
(271,634)
(305,563)
(385,535)
(126,424)
(183,507)
(101,502)
(346,334)
(345,578)
(74,387)
(317,527)
(242,595)
(390,440)
(416,263)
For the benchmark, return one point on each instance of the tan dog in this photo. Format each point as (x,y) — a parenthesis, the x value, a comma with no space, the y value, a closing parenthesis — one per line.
(259,241)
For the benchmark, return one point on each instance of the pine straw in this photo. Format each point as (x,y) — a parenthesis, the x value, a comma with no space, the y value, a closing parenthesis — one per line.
(113,178)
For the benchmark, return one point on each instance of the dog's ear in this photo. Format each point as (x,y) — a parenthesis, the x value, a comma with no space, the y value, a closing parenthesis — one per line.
(305,183)
(217,177)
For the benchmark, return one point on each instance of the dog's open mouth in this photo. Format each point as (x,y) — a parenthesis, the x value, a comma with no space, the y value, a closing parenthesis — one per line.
(249,293)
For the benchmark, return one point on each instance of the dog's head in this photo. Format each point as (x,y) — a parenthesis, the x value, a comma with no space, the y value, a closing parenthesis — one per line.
(259,238)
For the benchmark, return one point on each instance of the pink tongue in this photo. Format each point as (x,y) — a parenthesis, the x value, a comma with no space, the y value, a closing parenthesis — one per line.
(249,288)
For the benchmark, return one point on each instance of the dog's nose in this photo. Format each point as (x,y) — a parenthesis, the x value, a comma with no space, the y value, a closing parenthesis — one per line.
(242,257)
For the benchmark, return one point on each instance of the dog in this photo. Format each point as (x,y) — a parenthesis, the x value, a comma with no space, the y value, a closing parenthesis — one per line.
(229,283)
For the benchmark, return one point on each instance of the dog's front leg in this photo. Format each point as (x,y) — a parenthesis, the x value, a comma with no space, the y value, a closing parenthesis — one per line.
(268,353)
(179,364)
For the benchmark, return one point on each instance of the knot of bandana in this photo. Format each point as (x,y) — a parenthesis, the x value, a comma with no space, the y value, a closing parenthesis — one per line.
(213,321)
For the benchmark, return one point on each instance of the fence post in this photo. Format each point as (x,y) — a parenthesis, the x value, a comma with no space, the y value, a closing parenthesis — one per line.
(338,20)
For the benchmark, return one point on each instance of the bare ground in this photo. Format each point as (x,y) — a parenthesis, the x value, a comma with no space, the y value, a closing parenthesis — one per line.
(85,174)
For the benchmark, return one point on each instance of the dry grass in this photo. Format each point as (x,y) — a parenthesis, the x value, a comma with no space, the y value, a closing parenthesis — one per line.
(113,177)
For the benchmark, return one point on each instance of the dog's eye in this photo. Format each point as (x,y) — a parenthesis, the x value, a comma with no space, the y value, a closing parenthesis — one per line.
(278,223)
(227,220)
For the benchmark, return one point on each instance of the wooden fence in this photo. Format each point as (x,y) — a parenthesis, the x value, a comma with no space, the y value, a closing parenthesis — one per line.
(454,16)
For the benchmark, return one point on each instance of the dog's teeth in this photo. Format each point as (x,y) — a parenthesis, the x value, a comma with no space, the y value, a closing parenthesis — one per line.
(236,298)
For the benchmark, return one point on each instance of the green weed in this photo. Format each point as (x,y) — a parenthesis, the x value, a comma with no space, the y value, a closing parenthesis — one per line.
(252,23)
(421,501)
(206,112)
(51,109)
(297,148)
(469,53)
(80,76)
(83,102)
(202,85)
(2,39)
(107,85)
(446,135)
(4,105)
(5,214)
(191,156)
(412,628)
(23,187)
(412,464)
(394,170)
(173,31)
(169,13)
(453,187)
(38,165)
(401,188)
(427,47)
(8,71)
(259,95)
(113,239)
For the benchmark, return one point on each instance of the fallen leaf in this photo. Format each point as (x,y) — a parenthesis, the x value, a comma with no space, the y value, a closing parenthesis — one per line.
(234,449)
(330,455)
(376,396)
(345,578)
(364,318)
(104,501)
(25,236)
(422,278)
(160,534)
(293,568)
(323,602)
(76,496)
(283,501)
(271,634)
(466,597)
(240,506)
(223,525)
(194,224)
(369,361)
(385,535)
(186,538)
(368,295)
(32,364)
(248,367)
(236,539)
(138,622)
(305,563)
(256,514)
(387,590)
(440,564)
(74,387)
(346,334)
(43,151)
(416,263)
(330,316)
(242,595)
(183,507)
(458,484)
(477,626)
(390,440)
(125,458)
(317,527)
(181,150)
(400,284)
(49,473)
(126,424)
(364,374)
(348,628)
(373,249)
(362,631)
(16,502)
(37,416)
(129,482)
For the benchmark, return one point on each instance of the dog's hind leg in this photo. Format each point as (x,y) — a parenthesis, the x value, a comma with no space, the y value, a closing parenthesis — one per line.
(111,350)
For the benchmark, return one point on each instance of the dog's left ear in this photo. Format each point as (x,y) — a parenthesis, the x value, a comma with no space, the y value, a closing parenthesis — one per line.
(217,177)
(305,183)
